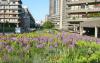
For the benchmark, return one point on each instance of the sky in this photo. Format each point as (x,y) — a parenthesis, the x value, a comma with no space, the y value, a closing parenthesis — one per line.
(38,8)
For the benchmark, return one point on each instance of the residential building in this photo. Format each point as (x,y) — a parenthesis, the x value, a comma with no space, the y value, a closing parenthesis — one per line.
(12,16)
(57,12)
(28,20)
(79,16)
(84,15)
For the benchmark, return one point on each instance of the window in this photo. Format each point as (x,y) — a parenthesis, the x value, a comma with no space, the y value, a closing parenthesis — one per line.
(14,15)
(83,6)
(4,0)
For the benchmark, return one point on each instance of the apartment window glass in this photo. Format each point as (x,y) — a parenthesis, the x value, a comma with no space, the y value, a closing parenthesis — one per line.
(14,2)
(83,6)
(14,15)
(4,0)
(57,7)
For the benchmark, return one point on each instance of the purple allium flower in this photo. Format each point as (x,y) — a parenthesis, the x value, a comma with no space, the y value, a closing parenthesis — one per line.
(98,41)
(35,39)
(73,42)
(50,46)
(46,39)
(50,40)
(40,46)
(43,39)
(14,39)
(63,35)
(1,43)
(9,48)
(65,41)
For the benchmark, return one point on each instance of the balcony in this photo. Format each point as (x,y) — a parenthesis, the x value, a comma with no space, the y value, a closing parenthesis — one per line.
(82,1)
(10,22)
(16,8)
(2,13)
(84,10)
(10,4)
(83,19)
(2,17)
(15,4)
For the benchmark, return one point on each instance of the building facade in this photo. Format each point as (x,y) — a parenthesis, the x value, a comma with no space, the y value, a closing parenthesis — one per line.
(76,15)
(81,14)
(28,20)
(12,15)
(57,11)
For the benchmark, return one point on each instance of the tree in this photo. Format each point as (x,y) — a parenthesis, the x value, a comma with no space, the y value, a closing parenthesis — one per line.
(48,25)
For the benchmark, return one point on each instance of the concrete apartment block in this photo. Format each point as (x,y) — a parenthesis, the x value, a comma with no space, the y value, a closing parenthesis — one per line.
(12,15)
(72,15)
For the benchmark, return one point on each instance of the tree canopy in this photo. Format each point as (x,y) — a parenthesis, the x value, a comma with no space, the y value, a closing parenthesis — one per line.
(48,25)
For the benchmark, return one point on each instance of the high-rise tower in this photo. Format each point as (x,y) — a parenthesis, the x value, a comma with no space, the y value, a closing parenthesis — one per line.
(57,12)
(52,8)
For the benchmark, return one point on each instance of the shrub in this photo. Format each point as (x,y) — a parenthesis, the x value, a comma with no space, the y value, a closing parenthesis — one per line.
(48,25)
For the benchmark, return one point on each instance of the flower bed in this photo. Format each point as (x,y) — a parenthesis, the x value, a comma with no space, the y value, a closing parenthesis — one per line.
(49,47)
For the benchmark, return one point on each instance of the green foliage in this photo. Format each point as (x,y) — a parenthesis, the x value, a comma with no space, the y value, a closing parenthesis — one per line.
(48,25)
(82,52)
(94,15)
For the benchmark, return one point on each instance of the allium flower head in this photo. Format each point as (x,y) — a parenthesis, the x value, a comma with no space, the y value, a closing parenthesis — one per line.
(40,46)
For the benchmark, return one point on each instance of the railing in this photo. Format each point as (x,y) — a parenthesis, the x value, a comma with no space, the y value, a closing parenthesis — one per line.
(10,4)
(8,17)
(10,8)
(10,21)
(9,12)
(83,19)
(82,1)
(84,10)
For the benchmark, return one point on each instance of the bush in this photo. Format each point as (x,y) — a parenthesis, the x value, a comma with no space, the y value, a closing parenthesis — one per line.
(48,25)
